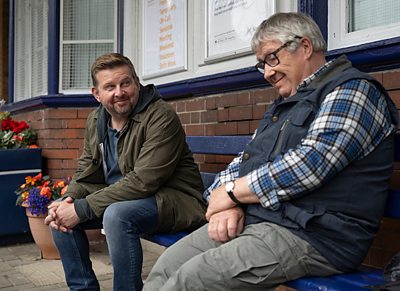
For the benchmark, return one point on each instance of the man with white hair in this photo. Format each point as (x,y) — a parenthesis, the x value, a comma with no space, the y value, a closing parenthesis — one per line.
(306,195)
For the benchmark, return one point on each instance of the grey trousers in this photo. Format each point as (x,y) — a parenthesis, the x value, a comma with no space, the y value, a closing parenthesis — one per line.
(262,257)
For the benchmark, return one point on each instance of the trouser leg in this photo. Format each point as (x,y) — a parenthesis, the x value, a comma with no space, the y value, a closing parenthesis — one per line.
(73,248)
(262,257)
(123,223)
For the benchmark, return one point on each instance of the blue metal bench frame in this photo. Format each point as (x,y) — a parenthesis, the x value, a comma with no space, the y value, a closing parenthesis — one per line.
(232,145)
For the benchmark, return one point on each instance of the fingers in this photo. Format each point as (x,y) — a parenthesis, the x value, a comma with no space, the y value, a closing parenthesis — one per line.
(226,225)
(54,225)
(52,220)
(217,231)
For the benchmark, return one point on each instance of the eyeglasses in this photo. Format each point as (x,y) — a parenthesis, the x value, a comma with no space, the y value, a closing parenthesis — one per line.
(272,59)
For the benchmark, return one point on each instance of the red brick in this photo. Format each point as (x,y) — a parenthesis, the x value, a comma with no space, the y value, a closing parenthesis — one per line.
(194,129)
(241,113)
(211,103)
(212,168)
(223,115)
(210,129)
(227,100)
(244,98)
(73,143)
(263,96)
(378,76)
(391,80)
(226,128)
(55,164)
(70,164)
(54,123)
(184,118)
(395,95)
(180,106)
(254,125)
(83,113)
(52,143)
(195,105)
(210,159)
(75,123)
(198,158)
(209,116)
(57,154)
(243,127)
(36,124)
(195,117)
(60,113)
(258,111)
(222,159)
(60,173)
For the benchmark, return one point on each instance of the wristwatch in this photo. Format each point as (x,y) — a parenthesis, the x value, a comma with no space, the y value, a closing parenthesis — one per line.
(229,189)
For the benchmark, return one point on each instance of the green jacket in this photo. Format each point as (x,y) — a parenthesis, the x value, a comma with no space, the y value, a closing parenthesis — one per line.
(153,158)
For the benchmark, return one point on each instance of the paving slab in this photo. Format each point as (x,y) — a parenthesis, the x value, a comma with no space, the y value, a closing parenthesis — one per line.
(21,267)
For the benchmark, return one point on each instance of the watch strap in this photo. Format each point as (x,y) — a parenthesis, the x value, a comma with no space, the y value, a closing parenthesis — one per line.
(233,197)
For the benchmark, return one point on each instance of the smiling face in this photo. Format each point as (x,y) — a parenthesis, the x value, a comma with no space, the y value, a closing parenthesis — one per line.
(118,91)
(291,70)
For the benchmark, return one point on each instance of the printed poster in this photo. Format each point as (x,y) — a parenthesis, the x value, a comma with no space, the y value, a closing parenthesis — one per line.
(165,33)
(232,23)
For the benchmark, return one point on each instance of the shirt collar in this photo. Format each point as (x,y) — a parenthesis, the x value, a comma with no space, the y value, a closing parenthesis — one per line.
(315,75)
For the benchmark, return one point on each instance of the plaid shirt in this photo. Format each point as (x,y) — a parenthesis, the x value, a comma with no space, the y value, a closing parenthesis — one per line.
(351,122)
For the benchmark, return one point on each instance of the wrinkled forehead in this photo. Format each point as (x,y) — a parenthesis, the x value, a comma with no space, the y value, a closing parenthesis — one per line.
(266,47)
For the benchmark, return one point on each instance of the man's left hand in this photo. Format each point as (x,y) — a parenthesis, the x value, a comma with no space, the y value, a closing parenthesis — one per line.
(66,214)
(219,201)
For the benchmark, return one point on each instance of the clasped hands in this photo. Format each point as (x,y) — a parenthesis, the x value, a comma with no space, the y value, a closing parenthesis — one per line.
(62,215)
(225,218)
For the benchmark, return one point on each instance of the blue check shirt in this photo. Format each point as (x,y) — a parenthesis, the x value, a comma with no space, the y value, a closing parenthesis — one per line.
(352,121)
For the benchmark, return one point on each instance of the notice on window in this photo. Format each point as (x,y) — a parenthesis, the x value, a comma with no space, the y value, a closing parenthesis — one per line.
(232,23)
(164,31)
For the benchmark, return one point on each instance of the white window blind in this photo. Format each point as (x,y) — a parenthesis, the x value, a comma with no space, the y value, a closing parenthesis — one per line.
(88,31)
(356,22)
(31,45)
(372,13)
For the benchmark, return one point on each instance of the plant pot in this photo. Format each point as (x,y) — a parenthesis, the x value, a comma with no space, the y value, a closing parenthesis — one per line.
(42,236)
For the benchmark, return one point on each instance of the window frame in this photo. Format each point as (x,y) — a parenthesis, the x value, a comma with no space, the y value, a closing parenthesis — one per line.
(339,37)
(62,43)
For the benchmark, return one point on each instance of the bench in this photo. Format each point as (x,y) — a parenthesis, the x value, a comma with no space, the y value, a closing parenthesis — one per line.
(232,145)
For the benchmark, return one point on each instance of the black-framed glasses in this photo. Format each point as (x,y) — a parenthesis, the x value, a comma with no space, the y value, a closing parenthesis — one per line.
(272,59)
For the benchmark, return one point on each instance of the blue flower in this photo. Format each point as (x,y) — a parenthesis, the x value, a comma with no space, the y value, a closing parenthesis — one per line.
(37,204)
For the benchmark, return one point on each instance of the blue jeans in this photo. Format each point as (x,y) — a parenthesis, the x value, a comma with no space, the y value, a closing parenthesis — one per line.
(123,223)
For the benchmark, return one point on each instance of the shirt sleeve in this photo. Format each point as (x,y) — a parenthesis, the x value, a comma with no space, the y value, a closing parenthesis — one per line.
(229,174)
(352,120)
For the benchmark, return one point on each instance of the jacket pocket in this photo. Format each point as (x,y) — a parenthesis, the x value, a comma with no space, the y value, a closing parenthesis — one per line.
(295,128)
(302,216)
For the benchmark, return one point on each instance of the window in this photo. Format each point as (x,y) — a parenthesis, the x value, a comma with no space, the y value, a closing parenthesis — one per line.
(30,53)
(355,22)
(88,30)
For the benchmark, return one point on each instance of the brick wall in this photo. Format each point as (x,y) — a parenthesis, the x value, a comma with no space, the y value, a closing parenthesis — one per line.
(61,132)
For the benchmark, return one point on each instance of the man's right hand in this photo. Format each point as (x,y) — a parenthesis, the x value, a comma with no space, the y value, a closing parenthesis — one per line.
(226,225)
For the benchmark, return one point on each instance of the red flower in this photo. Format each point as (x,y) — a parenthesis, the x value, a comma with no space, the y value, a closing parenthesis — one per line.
(15,134)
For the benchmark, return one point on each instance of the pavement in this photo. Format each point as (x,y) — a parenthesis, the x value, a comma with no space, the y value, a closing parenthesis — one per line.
(21,267)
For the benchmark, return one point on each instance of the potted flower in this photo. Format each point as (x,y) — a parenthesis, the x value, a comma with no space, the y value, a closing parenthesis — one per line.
(38,191)
(15,134)
(35,195)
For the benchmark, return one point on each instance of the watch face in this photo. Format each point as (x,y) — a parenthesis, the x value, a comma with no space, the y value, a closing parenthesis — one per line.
(229,186)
